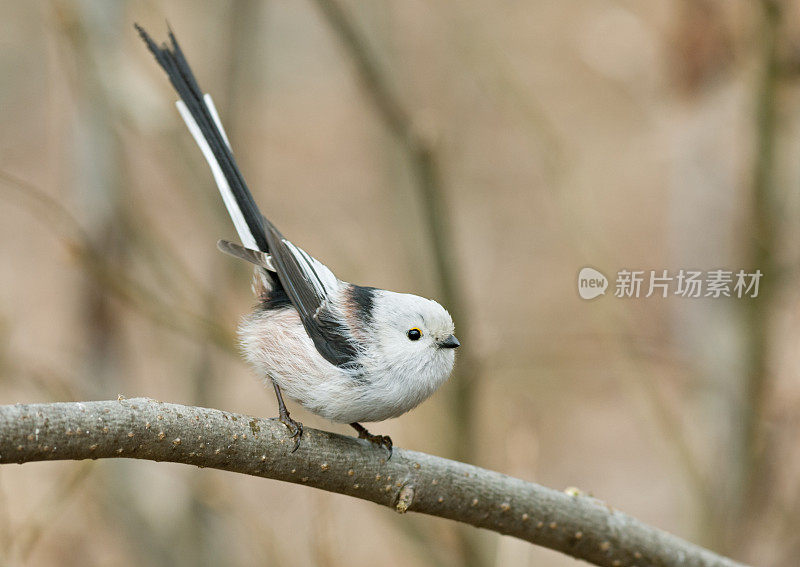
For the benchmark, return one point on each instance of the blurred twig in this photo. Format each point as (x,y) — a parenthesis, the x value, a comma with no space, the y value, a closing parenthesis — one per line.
(48,510)
(763,246)
(55,384)
(101,186)
(574,524)
(84,30)
(427,548)
(114,279)
(425,165)
(6,538)
(491,68)
(173,275)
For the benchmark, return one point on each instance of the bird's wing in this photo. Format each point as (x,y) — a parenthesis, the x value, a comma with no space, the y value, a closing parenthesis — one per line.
(310,286)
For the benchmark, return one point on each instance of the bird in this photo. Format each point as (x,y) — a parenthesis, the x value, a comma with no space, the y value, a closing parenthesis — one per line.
(345,352)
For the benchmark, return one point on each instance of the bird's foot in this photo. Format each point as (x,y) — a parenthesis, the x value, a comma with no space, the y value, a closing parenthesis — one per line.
(383,441)
(295,428)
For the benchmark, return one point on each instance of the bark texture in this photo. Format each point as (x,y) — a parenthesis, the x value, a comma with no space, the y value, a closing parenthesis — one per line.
(140,428)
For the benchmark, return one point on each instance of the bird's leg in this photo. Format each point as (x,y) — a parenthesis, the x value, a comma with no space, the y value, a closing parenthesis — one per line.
(380,440)
(294,427)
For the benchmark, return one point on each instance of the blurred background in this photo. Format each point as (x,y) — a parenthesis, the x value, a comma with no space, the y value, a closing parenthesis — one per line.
(477,152)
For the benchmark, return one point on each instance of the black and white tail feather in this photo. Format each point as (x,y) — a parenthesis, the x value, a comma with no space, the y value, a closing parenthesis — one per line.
(202,119)
(307,282)
(373,354)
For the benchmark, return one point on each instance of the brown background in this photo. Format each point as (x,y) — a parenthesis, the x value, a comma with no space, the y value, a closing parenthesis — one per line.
(616,134)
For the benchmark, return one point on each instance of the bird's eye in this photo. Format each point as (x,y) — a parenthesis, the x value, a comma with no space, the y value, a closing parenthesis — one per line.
(414,334)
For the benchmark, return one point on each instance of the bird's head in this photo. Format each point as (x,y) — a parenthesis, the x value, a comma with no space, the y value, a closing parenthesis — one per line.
(414,335)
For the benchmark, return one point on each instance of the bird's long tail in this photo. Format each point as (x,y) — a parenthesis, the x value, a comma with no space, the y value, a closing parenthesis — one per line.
(201,118)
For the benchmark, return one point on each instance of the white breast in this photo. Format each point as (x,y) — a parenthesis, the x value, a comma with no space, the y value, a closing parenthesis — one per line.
(277,345)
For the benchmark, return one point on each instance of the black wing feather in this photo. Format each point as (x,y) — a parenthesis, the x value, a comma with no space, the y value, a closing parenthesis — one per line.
(302,284)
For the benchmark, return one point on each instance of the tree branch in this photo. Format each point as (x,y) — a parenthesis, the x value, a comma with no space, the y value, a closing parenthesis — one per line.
(139,428)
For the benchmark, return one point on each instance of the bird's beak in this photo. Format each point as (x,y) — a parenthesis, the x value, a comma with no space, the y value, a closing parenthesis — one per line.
(449,342)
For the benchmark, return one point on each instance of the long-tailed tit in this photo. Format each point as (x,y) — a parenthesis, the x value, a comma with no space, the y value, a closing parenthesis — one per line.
(345,352)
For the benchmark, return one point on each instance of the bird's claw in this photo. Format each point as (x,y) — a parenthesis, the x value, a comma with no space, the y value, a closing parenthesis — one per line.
(378,440)
(295,429)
